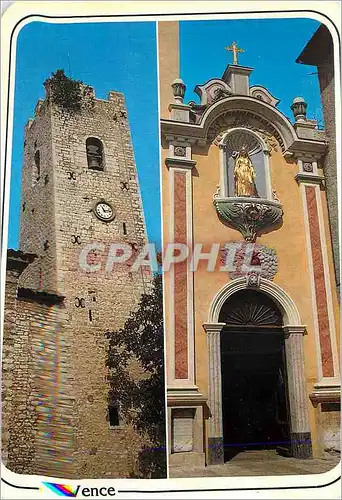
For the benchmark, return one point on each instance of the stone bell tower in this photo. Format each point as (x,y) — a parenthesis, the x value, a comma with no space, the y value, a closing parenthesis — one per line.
(80,189)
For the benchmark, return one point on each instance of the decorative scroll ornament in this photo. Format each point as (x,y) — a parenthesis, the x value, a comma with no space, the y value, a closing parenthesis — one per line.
(217,193)
(271,141)
(220,93)
(251,260)
(275,195)
(251,217)
(263,94)
(210,92)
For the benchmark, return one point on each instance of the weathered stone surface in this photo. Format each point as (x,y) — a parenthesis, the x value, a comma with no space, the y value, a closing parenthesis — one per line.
(55,355)
(215,451)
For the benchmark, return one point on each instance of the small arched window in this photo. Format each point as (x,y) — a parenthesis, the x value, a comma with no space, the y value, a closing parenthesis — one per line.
(95,155)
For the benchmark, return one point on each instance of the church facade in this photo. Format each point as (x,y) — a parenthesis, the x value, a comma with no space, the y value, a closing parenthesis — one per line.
(80,194)
(252,314)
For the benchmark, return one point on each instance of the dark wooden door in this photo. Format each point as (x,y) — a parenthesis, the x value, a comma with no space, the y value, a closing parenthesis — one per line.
(254,400)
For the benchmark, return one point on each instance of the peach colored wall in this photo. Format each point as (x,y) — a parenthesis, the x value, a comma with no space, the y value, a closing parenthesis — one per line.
(208,229)
(168,61)
(168,49)
(289,242)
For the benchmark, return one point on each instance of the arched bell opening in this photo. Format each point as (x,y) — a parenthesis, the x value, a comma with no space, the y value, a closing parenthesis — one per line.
(95,154)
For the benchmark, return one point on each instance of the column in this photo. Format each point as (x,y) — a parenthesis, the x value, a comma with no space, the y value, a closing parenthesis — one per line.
(215,438)
(298,399)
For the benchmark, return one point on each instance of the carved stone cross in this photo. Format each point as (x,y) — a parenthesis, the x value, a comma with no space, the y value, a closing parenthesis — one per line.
(234,48)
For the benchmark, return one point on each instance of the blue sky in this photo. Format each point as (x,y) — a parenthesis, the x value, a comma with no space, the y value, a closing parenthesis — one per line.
(108,56)
(122,56)
(271,48)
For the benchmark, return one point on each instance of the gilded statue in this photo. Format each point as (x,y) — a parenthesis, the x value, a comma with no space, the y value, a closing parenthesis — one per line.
(244,174)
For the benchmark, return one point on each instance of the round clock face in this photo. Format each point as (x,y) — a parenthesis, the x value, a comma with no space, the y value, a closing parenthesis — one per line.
(104,211)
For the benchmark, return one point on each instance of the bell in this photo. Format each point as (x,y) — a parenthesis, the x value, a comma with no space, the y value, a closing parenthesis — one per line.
(94,158)
(94,162)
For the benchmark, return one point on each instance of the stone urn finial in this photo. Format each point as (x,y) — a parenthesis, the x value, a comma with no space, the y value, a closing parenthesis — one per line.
(178,89)
(298,107)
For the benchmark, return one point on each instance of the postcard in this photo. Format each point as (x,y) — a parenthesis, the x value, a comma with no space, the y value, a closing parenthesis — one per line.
(170,260)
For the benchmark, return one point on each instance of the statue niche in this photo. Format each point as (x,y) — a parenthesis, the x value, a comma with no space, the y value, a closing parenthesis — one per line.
(244,175)
(246,165)
(245,200)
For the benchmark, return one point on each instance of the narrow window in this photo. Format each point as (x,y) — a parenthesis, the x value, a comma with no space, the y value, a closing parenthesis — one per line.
(95,153)
(113,414)
(90,316)
(36,173)
(124,228)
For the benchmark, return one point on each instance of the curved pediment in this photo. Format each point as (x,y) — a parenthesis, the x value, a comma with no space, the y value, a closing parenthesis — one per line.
(212,90)
(261,93)
(245,111)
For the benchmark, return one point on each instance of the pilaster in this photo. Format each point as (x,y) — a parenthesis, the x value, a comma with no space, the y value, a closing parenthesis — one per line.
(310,182)
(300,435)
(215,439)
(181,366)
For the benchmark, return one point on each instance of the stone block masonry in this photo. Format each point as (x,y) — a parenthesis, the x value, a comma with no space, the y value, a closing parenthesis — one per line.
(63,395)
(37,393)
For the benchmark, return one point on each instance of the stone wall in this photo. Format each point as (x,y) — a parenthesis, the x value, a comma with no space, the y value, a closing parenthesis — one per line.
(99,450)
(37,223)
(327,87)
(72,411)
(331,425)
(19,418)
(36,389)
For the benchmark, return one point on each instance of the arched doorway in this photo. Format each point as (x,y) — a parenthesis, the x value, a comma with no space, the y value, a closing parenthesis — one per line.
(293,331)
(255,409)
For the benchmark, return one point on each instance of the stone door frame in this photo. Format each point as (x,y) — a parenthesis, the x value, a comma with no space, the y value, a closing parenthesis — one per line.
(298,399)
